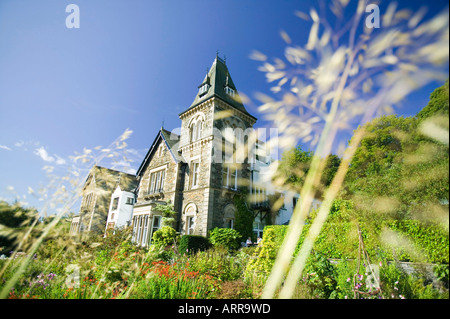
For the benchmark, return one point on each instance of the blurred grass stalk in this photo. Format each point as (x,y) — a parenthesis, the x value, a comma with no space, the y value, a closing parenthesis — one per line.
(61,197)
(394,85)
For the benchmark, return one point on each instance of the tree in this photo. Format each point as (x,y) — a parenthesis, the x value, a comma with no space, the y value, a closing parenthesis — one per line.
(438,104)
(399,170)
(14,220)
(168,214)
(294,166)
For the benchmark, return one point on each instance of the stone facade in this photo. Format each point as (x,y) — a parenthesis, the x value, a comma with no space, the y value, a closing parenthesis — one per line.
(199,181)
(96,197)
(202,169)
(210,195)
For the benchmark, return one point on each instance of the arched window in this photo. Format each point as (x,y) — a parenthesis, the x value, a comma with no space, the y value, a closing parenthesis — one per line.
(190,215)
(199,129)
(195,129)
(229,216)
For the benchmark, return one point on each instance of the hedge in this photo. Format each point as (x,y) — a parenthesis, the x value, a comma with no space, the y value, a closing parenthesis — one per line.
(193,243)
(225,237)
(340,240)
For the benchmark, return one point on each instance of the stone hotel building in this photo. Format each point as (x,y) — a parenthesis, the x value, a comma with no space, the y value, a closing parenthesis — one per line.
(200,170)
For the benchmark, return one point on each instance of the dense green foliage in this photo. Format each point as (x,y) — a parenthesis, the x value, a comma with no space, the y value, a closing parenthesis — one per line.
(294,167)
(438,104)
(264,256)
(339,239)
(13,221)
(398,170)
(165,236)
(15,215)
(243,216)
(225,237)
(193,243)
(395,194)
(168,214)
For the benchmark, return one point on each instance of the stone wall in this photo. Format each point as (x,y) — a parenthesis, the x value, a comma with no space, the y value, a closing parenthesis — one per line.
(165,160)
(209,196)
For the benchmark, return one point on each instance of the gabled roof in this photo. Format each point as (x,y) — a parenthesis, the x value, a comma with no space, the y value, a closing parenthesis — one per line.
(171,140)
(218,78)
(105,177)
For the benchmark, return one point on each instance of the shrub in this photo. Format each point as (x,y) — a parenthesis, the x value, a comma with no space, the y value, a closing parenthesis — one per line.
(339,238)
(165,281)
(226,237)
(320,275)
(193,243)
(441,273)
(215,262)
(264,255)
(236,289)
(165,236)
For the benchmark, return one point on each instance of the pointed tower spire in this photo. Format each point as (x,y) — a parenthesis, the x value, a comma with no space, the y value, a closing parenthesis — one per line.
(220,85)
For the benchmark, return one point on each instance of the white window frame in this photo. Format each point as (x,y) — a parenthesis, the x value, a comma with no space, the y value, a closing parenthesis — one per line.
(228,174)
(195,129)
(156,180)
(203,89)
(229,91)
(145,231)
(155,227)
(190,215)
(139,231)
(195,173)
(112,203)
(190,224)
(258,226)
(133,236)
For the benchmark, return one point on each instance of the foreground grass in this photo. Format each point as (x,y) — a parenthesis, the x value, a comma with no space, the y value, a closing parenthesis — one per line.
(114,268)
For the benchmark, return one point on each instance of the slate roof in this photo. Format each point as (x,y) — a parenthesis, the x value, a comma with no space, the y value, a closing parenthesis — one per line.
(171,139)
(218,77)
(105,176)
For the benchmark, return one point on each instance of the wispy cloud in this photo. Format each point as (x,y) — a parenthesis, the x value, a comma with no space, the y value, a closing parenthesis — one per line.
(43,154)
(24,145)
(59,160)
(3,147)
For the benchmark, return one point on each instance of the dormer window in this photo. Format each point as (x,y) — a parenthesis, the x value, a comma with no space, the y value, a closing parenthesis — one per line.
(229,91)
(203,89)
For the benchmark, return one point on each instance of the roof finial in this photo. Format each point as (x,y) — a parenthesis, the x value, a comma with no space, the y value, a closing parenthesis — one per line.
(217,53)
(225,59)
(162,124)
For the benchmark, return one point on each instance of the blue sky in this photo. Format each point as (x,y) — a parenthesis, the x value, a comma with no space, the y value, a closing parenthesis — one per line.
(131,64)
